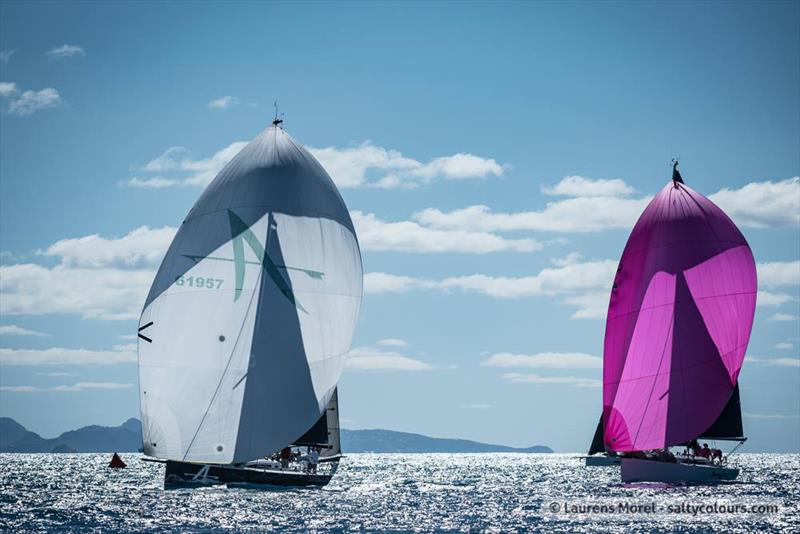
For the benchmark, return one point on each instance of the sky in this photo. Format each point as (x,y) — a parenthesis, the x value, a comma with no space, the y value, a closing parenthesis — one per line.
(493,156)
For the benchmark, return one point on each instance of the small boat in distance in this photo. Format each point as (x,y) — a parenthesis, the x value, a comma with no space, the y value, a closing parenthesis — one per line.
(116,462)
(247,325)
(679,321)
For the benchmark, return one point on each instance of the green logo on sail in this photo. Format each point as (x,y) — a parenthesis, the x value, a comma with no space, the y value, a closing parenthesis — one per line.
(241,234)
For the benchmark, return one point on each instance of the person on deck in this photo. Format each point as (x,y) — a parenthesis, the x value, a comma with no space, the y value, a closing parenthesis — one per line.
(286,455)
(313,458)
(705,452)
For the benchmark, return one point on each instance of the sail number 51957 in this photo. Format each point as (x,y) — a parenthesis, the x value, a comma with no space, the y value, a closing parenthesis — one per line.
(199,281)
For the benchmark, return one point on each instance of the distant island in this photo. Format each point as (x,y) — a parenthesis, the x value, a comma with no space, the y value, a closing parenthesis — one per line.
(128,438)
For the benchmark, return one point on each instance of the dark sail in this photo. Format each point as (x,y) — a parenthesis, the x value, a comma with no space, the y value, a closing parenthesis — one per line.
(316,435)
(597,440)
(729,423)
(334,444)
(325,431)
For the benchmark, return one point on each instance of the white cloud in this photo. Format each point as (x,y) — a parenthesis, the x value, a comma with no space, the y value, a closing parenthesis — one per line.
(784,362)
(61,356)
(762,204)
(374,166)
(65,51)
(408,236)
(583,284)
(766,298)
(97,277)
(363,165)
(549,281)
(188,170)
(518,378)
(548,360)
(597,205)
(26,102)
(203,171)
(592,305)
(578,284)
(569,259)
(380,283)
(142,247)
(578,186)
(784,345)
(80,386)
(478,406)
(782,317)
(171,159)
(7,89)
(372,359)
(14,330)
(774,362)
(156,182)
(582,214)
(224,102)
(779,273)
(6,54)
(392,342)
(106,293)
(769,415)
(57,373)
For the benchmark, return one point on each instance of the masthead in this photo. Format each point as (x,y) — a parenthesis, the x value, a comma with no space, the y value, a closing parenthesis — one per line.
(676,174)
(277,120)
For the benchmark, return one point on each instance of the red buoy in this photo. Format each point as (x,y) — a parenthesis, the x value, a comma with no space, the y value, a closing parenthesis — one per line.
(116,462)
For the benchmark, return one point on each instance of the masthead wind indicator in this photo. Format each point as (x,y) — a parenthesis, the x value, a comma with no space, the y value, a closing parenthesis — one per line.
(676,174)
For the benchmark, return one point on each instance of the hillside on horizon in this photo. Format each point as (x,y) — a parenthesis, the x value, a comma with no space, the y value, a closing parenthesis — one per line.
(128,438)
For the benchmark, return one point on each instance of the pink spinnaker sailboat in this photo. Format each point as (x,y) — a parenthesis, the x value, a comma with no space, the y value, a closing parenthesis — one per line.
(678,325)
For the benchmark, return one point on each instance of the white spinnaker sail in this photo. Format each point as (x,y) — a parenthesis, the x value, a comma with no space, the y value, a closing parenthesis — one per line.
(248,341)
(200,348)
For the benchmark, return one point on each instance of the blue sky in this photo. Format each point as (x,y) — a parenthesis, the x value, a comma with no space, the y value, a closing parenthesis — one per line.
(494,157)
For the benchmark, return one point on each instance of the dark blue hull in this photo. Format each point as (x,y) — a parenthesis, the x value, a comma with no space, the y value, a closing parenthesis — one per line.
(185,474)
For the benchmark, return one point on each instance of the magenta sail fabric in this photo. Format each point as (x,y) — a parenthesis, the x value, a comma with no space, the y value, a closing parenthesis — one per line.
(678,323)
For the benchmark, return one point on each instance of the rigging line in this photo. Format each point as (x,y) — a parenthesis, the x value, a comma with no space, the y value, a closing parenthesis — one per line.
(650,396)
(256,288)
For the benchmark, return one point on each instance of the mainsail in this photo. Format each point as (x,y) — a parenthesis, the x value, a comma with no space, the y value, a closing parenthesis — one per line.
(249,319)
(597,440)
(678,323)
(325,432)
(729,423)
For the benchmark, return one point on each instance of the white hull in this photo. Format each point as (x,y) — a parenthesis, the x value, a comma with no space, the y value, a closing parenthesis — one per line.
(639,470)
(601,460)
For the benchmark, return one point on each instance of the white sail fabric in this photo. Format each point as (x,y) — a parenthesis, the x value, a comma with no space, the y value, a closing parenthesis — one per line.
(201,340)
(252,311)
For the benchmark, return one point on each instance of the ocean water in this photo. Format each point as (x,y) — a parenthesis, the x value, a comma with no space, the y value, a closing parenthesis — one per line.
(394,492)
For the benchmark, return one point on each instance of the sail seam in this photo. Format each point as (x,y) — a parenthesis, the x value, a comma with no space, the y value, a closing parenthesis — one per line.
(679,301)
(698,364)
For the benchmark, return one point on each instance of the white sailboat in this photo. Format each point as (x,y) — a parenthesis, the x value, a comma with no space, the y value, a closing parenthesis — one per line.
(248,322)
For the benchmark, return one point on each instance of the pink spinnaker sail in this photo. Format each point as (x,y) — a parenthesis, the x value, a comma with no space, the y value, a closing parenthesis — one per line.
(678,323)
